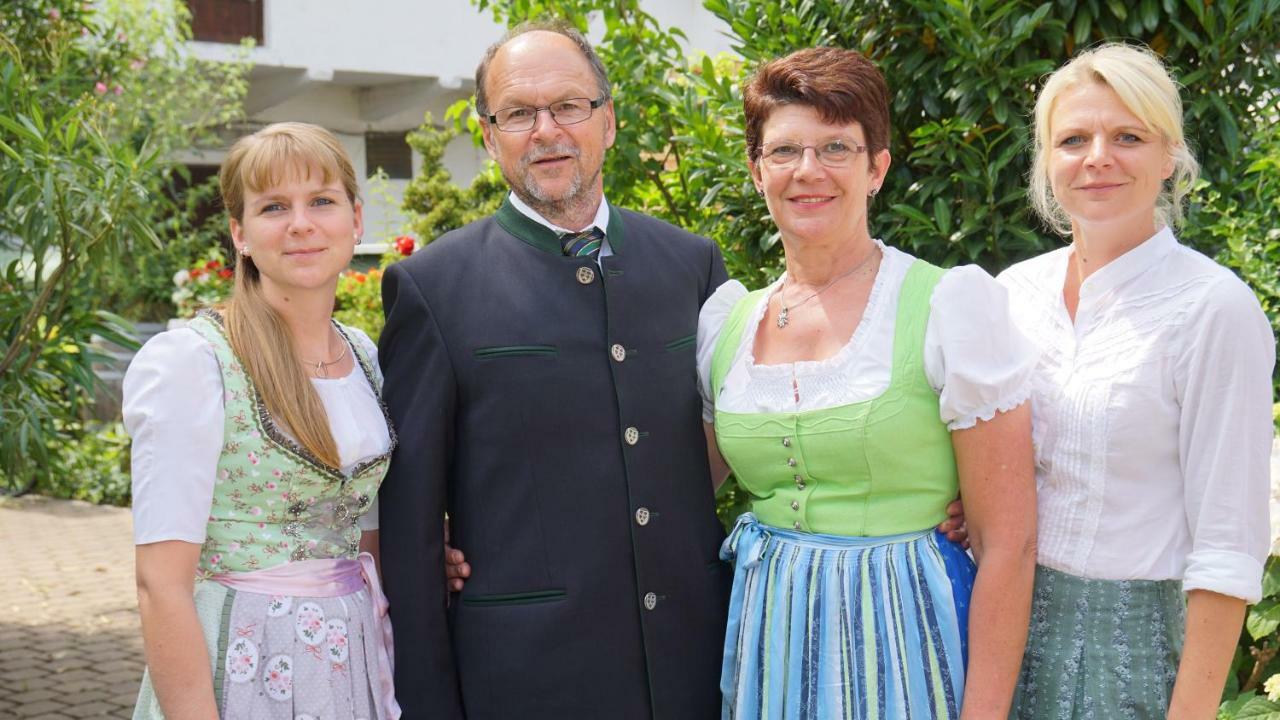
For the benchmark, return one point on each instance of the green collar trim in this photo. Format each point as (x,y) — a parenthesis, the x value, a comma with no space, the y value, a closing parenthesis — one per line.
(543,238)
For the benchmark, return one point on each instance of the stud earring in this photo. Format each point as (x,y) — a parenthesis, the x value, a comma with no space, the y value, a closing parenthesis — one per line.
(873,192)
(357,237)
(244,251)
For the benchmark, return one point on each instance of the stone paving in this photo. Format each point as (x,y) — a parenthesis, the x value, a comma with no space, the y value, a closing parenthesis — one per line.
(70,646)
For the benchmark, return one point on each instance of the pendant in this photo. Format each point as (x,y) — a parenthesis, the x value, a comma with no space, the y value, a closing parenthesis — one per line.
(782,317)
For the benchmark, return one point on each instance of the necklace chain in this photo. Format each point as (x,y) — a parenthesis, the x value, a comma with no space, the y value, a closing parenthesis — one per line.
(319,367)
(784,318)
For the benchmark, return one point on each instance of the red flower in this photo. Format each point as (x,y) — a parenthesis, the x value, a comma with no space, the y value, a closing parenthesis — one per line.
(404,245)
(359,278)
(225,273)
(211,265)
(196,272)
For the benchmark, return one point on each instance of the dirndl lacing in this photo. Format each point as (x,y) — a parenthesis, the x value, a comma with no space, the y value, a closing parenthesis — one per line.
(828,626)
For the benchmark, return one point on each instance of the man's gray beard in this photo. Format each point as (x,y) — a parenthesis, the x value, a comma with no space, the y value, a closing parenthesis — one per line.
(576,200)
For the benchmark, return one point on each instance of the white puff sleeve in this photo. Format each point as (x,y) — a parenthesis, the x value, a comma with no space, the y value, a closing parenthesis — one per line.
(173,410)
(975,357)
(711,319)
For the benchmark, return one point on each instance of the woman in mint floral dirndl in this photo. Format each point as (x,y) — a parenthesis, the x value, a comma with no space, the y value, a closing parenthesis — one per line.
(1152,411)
(853,398)
(259,442)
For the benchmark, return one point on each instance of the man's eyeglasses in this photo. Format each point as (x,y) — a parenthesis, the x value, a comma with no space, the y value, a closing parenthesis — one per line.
(519,118)
(832,153)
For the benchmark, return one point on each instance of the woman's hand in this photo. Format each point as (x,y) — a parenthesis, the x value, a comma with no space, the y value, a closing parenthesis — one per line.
(456,568)
(953,527)
(176,653)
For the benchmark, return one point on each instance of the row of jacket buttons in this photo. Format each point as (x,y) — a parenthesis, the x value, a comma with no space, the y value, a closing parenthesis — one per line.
(631,435)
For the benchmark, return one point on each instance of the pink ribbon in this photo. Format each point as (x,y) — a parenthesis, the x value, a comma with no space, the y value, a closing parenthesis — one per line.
(331,578)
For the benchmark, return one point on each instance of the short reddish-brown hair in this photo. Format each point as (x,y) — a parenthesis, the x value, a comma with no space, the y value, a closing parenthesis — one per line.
(842,85)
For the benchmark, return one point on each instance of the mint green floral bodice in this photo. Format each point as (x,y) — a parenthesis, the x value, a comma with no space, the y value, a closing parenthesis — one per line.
(273,501)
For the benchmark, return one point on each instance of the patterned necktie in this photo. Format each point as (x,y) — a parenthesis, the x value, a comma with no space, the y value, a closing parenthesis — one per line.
(582,244)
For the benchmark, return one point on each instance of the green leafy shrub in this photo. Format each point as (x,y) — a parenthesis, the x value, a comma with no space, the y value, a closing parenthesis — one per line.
(94,467)
(92,112)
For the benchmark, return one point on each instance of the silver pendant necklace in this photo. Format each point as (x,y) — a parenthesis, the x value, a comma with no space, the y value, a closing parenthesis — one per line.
(784,318)
(321,366)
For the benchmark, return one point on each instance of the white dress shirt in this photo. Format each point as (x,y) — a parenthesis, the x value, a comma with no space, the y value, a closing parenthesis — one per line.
(173,410)
(1152,417)
(974,356)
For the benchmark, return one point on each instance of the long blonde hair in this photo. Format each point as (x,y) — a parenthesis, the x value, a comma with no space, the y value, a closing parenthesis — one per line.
(258,335)
(1148,91)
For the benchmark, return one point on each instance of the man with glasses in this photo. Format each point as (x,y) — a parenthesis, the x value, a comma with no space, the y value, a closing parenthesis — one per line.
(540,374)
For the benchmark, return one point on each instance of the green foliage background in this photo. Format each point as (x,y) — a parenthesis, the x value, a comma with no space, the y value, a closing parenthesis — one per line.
(964,74)
(96,97)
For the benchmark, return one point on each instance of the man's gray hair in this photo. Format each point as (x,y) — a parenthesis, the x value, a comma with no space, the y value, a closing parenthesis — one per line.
(560,27)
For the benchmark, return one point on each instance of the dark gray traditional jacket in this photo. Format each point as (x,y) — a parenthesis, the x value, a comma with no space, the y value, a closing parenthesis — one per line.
(550,406)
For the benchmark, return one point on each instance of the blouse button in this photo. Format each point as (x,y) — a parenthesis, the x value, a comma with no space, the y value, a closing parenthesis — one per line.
(796,525)
(795,504)
(791,462)
(786,442)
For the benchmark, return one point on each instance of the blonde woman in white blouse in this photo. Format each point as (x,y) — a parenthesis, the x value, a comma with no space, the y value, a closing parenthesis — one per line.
(1152,411)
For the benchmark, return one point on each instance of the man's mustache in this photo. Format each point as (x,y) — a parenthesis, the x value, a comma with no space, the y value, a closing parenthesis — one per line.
(550,151)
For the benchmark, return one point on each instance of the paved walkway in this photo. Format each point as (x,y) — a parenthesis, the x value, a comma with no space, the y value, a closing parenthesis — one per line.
(70,646)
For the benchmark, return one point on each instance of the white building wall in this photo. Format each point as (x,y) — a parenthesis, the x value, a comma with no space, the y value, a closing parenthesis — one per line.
(380,65)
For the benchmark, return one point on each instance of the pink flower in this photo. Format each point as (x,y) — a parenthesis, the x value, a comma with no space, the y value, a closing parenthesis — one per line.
(118,89)
(121,37)
(100,88)
(271,485)
(253,458)
(255,511)
(137,64)
(233,546)
(215,559)
(54,14)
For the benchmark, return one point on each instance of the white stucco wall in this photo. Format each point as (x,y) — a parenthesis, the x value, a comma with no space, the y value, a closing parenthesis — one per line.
(380,65)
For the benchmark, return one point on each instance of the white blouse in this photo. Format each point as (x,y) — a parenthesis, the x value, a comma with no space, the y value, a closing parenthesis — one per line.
(974,357)
(173,410)
(1152,416)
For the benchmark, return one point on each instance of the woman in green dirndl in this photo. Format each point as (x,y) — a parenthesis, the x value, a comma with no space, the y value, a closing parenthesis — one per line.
(1152,411)
(853,398)
(259,442)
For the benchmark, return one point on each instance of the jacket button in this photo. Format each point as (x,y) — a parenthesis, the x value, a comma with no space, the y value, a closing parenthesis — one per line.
(619,353)
(786,442)
(586,275)
(650,601)
(796,525)
(642,516)
(632,436)
(795,504)
(791,462)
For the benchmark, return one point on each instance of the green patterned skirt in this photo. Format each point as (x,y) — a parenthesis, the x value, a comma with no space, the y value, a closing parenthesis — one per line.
(1100,648)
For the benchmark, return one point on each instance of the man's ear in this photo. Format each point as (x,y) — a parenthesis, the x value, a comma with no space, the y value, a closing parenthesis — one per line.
(610,124)
(487,130)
